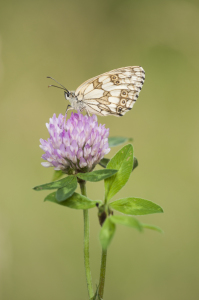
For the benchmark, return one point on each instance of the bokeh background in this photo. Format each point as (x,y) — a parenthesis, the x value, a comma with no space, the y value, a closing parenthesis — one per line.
(41,243)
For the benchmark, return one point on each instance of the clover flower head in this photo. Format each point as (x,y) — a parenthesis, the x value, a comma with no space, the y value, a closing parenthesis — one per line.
(75,145)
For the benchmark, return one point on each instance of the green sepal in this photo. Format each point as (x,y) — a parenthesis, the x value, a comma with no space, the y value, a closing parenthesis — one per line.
(135,206)
(76,201)
(67,191)
(123,162)
(53,185)
(127,221)
(118,140)
(106,233)
(103,212)
(57,175)
(152,227)
(97,175)
(104,161)
(135,163)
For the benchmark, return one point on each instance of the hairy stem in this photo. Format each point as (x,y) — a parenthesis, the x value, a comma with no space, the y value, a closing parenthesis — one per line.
(82,184)
(102,273)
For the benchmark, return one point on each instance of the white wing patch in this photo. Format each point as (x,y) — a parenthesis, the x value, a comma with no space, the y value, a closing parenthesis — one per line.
(94,94)
(112,93)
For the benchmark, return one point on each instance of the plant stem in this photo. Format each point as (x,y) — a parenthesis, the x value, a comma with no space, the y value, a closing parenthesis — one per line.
(102,273)
(82,184)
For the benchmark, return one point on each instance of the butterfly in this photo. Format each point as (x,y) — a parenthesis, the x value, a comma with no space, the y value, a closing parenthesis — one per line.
(111,93)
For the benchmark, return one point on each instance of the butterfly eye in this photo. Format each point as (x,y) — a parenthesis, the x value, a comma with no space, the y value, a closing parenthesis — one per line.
(117,82)
(67,94)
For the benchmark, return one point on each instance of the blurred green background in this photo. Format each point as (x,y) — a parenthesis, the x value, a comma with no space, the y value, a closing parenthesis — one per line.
(41,243)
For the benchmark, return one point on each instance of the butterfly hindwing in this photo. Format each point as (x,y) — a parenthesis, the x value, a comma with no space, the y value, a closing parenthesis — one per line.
(112,93)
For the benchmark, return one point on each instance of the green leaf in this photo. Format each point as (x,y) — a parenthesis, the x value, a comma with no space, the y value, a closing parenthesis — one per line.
(76,201)
(106,233)
(57,175)
(127,221)
(67,191)
(156,228)
(123,162)
(135,206)
(96,296)
(97,175)
(51,197)
(118,140)
(103,162)
(54,185)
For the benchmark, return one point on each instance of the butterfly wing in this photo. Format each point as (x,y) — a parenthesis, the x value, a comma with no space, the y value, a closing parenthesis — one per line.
(112,93)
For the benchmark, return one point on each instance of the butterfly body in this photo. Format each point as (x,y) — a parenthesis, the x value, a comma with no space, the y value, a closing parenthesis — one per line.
(111,93)
(75,103)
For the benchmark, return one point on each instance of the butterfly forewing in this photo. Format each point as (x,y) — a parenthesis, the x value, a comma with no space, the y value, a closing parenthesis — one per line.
(112,93)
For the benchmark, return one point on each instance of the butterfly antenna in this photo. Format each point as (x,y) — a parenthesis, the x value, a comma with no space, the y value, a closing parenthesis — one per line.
(63,87)
(56,86)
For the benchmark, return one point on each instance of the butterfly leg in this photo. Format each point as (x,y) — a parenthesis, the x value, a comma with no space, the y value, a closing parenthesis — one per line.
(69,107)
(87,113)
(84,108)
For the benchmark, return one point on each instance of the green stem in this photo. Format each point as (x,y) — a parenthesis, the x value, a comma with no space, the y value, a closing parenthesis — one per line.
(82,184)
(102,274)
